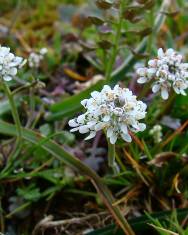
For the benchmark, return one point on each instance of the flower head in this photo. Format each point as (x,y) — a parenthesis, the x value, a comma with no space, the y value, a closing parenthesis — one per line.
(166,71)
(116,111)
(157,134)
(35,59)
(9,63)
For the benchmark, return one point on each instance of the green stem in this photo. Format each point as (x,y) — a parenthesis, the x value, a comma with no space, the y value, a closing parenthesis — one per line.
(13,110)
(112,157)
(112,59)
(18,209)
(18,145)
(166,105)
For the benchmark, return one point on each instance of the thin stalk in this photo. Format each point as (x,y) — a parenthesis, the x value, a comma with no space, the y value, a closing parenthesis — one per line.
(18,209)
(112,59)
(24,87)
(166,105)
(112,157)
(18,145)
(13,110)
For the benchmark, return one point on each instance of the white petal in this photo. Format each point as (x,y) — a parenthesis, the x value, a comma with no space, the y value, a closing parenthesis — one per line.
(164,93)
(156,88)
(13,71)
(152,63)
(99,126)
(117,88)
(126,137)
(4,51)
(141,71)
(106,88)
(73,123)
(81,119)
(83,129)
(176,89)
(95,94)
(43,51)
(92,123)
(142,126)
(10,56)
(17,60)
(183,92)
(110,132)
(91,135)
(123,127)
(7,78)
(184,65)
(151,71)
(170,52)
(84,102)
(106,118)
(160,53)
(113,138)
(142,80)
(22,63)
(74,129)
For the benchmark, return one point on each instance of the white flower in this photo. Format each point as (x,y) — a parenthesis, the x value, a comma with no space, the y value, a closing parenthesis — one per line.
(9,63)
(157,134)
(116,111)
(35,59)
(166,71)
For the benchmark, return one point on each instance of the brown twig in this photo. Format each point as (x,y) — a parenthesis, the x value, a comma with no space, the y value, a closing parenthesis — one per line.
(48,222)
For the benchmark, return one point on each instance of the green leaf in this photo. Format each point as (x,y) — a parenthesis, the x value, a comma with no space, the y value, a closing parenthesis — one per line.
(29,193)
(66,137)
(45,129)
(5,106)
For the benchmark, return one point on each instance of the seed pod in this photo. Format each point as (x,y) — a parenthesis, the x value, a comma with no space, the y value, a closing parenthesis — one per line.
(105,44)
(132,13)
(149,4)
(145,32)
(104,4)
(96,20)
(142,1)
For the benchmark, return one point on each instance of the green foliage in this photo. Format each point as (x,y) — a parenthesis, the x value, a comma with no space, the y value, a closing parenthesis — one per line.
(46,169)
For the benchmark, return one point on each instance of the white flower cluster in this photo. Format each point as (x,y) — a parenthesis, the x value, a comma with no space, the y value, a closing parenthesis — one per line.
(35,59)
(116,111)
(157,134)
(9,63)
(167,71)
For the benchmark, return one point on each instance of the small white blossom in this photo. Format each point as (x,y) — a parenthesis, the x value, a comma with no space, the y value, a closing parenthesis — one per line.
(9,63)
(116,111)
(157,134)
(166,71)
(35,59)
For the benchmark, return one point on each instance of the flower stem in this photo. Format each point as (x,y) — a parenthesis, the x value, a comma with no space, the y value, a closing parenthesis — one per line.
(112,59)
(18,145)
(112,157)
(13,110)
(166,105)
